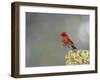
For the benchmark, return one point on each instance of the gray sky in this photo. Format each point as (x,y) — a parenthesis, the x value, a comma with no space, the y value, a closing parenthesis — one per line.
(43,40)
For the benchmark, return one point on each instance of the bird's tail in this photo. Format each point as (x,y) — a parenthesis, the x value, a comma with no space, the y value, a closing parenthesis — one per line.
(74,47)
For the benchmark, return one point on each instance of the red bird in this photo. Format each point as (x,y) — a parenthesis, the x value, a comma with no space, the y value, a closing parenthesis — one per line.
(67,41)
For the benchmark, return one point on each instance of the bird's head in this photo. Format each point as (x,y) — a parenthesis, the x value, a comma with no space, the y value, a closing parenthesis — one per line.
(63,34)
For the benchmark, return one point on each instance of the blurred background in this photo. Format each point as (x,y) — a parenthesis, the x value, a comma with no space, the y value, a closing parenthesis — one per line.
(43,40)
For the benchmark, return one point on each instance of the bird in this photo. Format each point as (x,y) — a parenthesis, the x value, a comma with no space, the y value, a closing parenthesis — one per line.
(67,41)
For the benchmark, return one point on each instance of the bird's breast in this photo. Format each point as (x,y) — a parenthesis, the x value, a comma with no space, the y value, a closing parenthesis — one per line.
(66,41)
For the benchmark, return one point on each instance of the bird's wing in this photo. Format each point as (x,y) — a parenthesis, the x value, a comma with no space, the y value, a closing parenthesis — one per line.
(70,40)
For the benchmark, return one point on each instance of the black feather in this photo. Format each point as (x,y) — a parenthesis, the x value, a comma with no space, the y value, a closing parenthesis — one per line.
(73,47)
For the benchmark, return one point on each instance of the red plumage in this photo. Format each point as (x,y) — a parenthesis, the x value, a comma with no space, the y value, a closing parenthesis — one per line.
(67,41)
